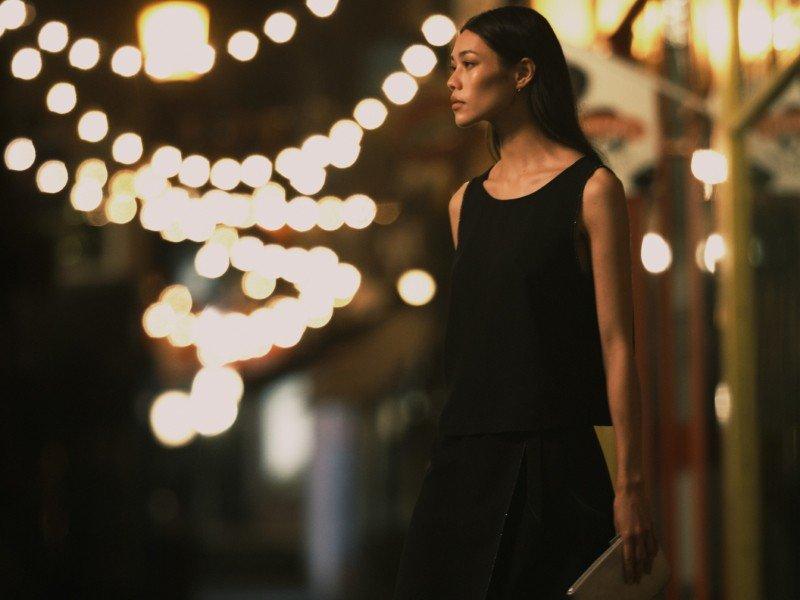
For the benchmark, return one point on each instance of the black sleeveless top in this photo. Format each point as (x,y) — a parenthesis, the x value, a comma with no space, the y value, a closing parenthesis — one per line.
(522,345)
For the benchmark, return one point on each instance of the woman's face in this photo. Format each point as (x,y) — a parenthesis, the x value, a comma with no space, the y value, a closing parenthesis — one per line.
(478,81)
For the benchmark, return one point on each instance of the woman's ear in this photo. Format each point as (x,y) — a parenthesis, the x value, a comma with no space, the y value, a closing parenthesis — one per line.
(525,72)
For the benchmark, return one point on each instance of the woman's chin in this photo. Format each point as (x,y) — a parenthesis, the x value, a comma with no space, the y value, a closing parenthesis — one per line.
(463,120)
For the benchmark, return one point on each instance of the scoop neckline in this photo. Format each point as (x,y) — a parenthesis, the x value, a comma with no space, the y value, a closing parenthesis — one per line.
(485,176)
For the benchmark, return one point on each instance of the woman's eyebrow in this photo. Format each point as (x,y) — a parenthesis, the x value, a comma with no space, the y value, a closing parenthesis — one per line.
(465,52)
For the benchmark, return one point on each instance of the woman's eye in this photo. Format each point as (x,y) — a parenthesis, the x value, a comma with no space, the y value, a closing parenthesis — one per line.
(452,67)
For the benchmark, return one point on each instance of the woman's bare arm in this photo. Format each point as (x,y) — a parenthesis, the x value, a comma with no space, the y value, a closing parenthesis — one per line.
(605,219)
(454,208)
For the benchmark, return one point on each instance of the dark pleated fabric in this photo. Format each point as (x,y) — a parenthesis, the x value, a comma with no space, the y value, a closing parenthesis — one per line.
(507,515)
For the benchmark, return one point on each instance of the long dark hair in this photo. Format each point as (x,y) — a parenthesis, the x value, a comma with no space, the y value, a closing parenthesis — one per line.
(515,32)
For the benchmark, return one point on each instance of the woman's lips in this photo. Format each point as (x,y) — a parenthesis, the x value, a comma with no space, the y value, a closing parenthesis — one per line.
(456,105)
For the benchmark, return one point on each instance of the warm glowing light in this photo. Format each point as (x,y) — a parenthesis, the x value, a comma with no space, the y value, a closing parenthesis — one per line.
(416,287)
(722,403)
(347,280)
(93,126)
(225,174)
(121,208)
(171,419)
(713,251)
(61,98)
(656,254)
(269,206)
(147,184)
(246,252)
(211,260)
(84,53)
(287,162)
(194,171)
(178,297)
(710,167)
(610,13)
(370,113)
(257,286)
(221,383)
(344,152)
(438,30)
(173,37)
(53,36)
(330,213)
(122,180)
(322,8)
(359,210)
(243,45)
(309,180)
(182,334)
(86,195)
(301,213)
(166,161)
(786,30)
(52,176)
(94,169)
(20,154)
(256,170)
(126,61)
(280,27)
(316,150)
(226,236)
(26,63)
(755,29)
(345,131)
(158,320)
(160,212)
(212,416)
(12,14)
(127,148)
(399,87)
(711,31)
(572,21)
(647,29)
(419,60)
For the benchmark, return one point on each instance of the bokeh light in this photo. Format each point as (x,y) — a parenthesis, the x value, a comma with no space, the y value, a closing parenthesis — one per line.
(84,53)
(61,98)
(26,63)
(20,154)
(52,176)
(93,126)
(243,45)
(126,61)
(280,27)
(53,36)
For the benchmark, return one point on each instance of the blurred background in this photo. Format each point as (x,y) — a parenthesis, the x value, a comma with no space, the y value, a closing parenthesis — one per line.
(226,249)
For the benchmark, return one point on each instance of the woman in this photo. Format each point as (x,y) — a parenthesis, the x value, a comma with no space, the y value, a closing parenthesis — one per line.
(517,500)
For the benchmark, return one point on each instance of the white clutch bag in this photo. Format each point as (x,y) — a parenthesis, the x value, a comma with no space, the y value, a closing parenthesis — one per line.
(604,579)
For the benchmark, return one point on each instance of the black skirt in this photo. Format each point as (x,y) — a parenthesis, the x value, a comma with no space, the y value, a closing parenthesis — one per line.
(507,515)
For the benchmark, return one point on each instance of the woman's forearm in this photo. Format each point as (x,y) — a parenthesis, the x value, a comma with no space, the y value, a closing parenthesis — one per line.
(626,415)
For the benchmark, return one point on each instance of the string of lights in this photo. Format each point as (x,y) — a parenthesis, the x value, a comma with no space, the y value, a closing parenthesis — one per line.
(180,212)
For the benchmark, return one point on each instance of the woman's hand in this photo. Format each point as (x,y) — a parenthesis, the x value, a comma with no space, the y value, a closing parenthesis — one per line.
(635,526)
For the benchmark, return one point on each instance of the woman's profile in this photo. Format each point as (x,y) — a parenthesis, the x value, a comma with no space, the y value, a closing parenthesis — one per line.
(517,499)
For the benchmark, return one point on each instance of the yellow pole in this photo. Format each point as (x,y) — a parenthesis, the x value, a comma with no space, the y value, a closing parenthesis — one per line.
(737,411)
